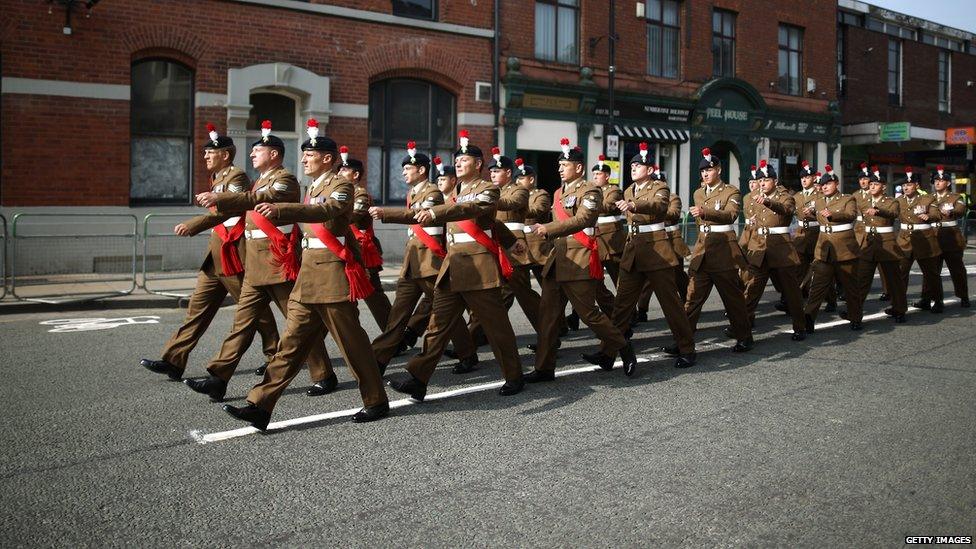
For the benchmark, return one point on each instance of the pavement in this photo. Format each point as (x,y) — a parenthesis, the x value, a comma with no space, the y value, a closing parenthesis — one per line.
(848,438)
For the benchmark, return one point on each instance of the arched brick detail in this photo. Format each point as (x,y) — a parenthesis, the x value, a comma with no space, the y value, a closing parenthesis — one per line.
(157,37)
(417,58)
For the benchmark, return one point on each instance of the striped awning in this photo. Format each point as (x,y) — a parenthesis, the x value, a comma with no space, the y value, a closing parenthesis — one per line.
(663,135)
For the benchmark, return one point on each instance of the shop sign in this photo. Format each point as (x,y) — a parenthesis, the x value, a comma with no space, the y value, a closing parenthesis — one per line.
(893,132)
(614,171)
(550,102)
(645,112)
(613,145)
(796,128)
(791,159)
(960,136)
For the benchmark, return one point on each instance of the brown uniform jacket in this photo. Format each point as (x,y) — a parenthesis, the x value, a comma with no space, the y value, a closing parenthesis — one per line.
(952,208)
(805,239)
(674,217)
(513,205)
(879,246)
(748,213)
(717,252)
(836,246)
(919,243)
(649,251)
(469,266)
(231,179)
(612,234)
(539,211)
(418,260)
(277,185)
(569,259)
(362,202)
(776,249)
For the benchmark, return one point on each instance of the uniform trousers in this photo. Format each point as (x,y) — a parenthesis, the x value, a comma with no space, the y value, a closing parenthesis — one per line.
(931,268)
(377,302)
(729,286)
(823,276)
(518,287)
(581,294)
(662,284)
(890,276)
(957,272)
(788,285)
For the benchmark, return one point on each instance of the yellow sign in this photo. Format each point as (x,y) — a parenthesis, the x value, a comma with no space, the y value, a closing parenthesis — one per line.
(550,102)
(614,171)
(961,181)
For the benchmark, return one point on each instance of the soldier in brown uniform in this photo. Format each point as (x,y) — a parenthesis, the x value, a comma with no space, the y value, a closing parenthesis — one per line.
(673,218)
(471,275)
(330,281)
(573,270)
(749,216)
(717,257)
(879,247)
(422,260)
(362,231)
(222,270)
(610,226)
(270,270)
(951,241)
(648,258)
(808,229)
(837,250)
(863,199)
(540,211)
(917,237)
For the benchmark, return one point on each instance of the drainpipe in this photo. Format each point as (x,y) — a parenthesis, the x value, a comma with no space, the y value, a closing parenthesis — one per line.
(495,58)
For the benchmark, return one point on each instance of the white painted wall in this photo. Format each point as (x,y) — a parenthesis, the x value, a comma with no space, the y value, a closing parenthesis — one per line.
(544,135)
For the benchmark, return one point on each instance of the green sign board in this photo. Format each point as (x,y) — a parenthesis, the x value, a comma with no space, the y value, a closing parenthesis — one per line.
(894,132)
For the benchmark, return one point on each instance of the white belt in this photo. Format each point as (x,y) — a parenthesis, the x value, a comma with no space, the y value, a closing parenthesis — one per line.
(947,223)
(716,228)
(515,226)
(773,230)
(460,238)
(526,230)
(750,222)
(836,228)
(808,224)
(879,230)
(231,221)
(648,228)
(610,218)
(428,230)
(258,233)
(672,228)
(315,243)
(916,226)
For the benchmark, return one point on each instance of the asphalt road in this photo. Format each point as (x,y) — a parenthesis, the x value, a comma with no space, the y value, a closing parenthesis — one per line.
(853,439)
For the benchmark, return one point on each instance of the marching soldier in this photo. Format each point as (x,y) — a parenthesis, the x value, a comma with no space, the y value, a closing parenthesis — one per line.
(717,257)
(673,218)
(952,206)
(920,242)
(805,239)
(469,277)
(879,247)
(362,231)
(330,281)
(610,225)
(769,249)
(423,258)
(271,266)
(749,215)
(837,250)
(222,270)
(863,199)
(648,259)
(540,211)
(573,270)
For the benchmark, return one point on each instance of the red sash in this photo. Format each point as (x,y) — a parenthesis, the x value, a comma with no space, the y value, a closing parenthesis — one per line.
(491,244)
(589,242)
(359,284)
(284,249)
(230,259)
(367,245)
(427,239)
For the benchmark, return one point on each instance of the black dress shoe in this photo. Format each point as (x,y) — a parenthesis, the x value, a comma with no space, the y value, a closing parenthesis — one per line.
(685,361)
(743,345)
(831,307)
(899,319)
(605,362)
(923,304)
(214,387)
(811,327)
(641,316)
(856,326)
(410,386)
(259,371)
(162,367)
(537,376)
(323,387)
(252,414)
(629,359)
(535,346)
(513,387)
(890,311)
(843,314)
(964,302)
(884,297)
(798,336)
(466,365)
(573,321)
(409,339)
(451,353)
(938,307)
(371,413)
(728,332)
(671,350)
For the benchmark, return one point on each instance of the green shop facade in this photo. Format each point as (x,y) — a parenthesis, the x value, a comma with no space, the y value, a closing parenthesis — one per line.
(726,115)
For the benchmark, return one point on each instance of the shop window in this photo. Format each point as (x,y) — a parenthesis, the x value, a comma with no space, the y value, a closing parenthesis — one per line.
(790,59)
(161,122)
(416,9)
(557,30)
(663,38)
(894,72)
(282,111)
(723,43)
(945,80)
(403,110)
(841,61)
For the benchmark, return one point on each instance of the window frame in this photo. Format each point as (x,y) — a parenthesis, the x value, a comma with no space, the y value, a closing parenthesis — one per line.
(721,37)
(787,90)
(433,11)
(252,135)
(945,86)
(558,5)
(842,61)
(895,99)
(659,23)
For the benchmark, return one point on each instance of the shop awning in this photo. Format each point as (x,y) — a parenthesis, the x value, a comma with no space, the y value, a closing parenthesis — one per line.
(662,135)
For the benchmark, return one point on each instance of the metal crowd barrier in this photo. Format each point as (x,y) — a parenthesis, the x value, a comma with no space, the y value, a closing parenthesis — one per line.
(50,261)
(3,257)
(168,258)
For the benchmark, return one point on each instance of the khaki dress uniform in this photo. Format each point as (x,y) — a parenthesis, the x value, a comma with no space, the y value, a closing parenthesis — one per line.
(377,302)
(681,251)
(612,239)
(213,284)
(540,211)
(264,281)
(717,258)
(863,200)
(320,301)
(918,239)
(566,275)
(748,227)
(952,207)
(417,276)
(770,252)
(807,232)
(649,259)
(879,247)
(469,277)
(836,255)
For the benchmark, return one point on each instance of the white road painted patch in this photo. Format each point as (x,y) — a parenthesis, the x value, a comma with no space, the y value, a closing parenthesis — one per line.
(90,324)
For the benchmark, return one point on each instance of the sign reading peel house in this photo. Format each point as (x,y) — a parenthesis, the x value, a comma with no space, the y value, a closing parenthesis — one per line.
(550,102)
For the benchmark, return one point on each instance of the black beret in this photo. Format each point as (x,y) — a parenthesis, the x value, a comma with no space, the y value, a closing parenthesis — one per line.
(708,160)
(322,144)
(940,173)
(806,169)
(418,159)
(215,140)
(828,175)
(464,149)
(354,164)
(601,166)
(500,162)
(659,175)
(642,159)
(447,171)
(268,140)
(574,154)
(524,169)
(766,170)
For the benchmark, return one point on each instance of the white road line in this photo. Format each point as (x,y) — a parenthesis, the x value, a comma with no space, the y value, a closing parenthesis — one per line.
(875,316)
